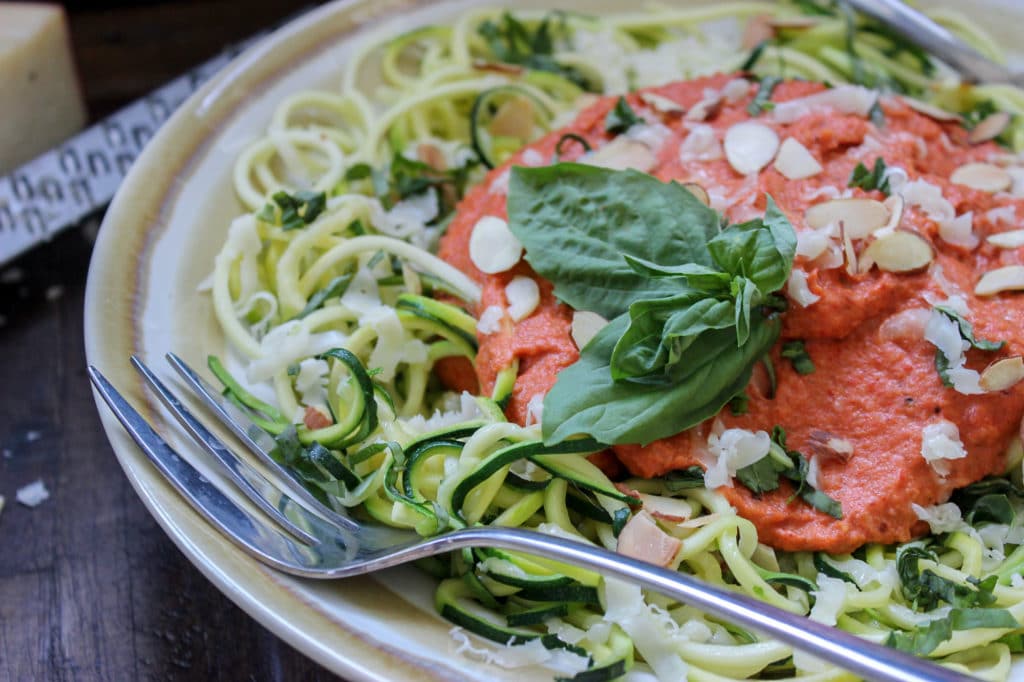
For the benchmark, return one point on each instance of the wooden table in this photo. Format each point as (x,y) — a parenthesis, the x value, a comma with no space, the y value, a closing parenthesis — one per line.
(90,587)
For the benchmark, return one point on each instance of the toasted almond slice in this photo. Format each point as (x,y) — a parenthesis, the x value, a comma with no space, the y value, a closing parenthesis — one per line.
(750,146)
(860,216)
(585,326)
(666,508)
(929,110)
(983,177)
(900,251)
(895,204)
(514,118)
(699,192)
(523,296)
(1002,374)
(991,127)
(492,246)
(498,67)
(1009,278)
(757,30)
(622,153)
(849,253)
(795,162)
(662,103)
(706,108)
(1007,240)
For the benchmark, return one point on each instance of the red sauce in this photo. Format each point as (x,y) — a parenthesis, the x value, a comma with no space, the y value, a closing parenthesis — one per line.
(871,391)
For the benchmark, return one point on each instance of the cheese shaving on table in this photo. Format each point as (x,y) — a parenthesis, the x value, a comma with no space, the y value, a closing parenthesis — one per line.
(33,494)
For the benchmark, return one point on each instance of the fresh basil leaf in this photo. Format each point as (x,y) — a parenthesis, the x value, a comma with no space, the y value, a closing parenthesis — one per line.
(754,57)
(586,399)
(700,277)
(978,113)
(822,502)
(739,405)
(992,509)
(967,331)
(598,215)
(762,476)
(684,479)
(621,117)
(336,287)
(796,353)
(661,330)
(299,209)
(926,638)
(761,250)
(826,567)
(870,179)
(267,214)
(790,579)
(762,100)
(512,42)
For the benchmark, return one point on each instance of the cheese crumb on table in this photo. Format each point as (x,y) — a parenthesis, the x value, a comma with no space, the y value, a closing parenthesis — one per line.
(33,494)
(42,99)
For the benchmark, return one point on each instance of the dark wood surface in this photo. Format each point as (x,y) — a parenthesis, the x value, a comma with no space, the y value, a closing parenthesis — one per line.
(90,587)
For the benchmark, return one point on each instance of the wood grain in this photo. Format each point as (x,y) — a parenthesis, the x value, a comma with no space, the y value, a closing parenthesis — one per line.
(90,587)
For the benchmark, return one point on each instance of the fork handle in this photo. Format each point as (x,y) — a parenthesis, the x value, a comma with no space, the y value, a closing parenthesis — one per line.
(922,31)
(862,657)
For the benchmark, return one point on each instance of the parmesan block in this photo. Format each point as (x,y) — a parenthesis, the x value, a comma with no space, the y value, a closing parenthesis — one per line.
(42,99)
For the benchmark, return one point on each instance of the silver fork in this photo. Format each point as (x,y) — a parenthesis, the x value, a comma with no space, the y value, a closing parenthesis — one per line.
(309,540)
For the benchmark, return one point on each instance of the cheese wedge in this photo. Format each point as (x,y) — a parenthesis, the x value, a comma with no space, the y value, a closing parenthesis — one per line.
(41,102)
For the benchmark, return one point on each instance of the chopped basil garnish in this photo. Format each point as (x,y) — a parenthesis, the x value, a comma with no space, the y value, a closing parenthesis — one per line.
(876,115)
(926,638)
(570,137)
(967,334)
(796,353)
(335,288)
(978,113)
(763,475)
(685,334)
(684,479)
(621,117)
(513,42)
(299,209)
(754,56)
(762,100)
(870,179)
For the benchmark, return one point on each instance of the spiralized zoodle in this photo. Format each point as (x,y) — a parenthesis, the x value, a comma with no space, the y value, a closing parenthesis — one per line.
(326,290)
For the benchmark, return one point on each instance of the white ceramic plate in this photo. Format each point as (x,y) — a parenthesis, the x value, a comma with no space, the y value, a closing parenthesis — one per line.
(158,242)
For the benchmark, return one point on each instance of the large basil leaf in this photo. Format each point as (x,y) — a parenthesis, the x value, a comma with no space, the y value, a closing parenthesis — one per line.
(764,256)
(586,399)
(577,222)
(661,331)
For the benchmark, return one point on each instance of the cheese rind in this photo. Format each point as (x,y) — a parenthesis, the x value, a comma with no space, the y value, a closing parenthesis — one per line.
(40,98)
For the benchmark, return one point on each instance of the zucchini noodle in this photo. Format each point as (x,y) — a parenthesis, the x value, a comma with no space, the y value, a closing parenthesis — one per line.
(338,312)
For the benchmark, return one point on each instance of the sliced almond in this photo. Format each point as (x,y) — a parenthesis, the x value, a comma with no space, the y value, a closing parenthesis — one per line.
(757,30)
(523,297)
(750,146)
(706,108)
(668,509)
(929,110)
(899,251)
(622,153)
(795,162)
(860,216)
(514,118)
(983,177)
(699,192)
(1002,374)
(662,103)
(849,254)
(585,326)
(829,445)
(991,127)
(498,67)
(1007,240)
(492,246)
(1009,278)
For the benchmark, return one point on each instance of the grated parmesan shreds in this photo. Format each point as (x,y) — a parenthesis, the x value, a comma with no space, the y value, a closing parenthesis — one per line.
(33,494)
